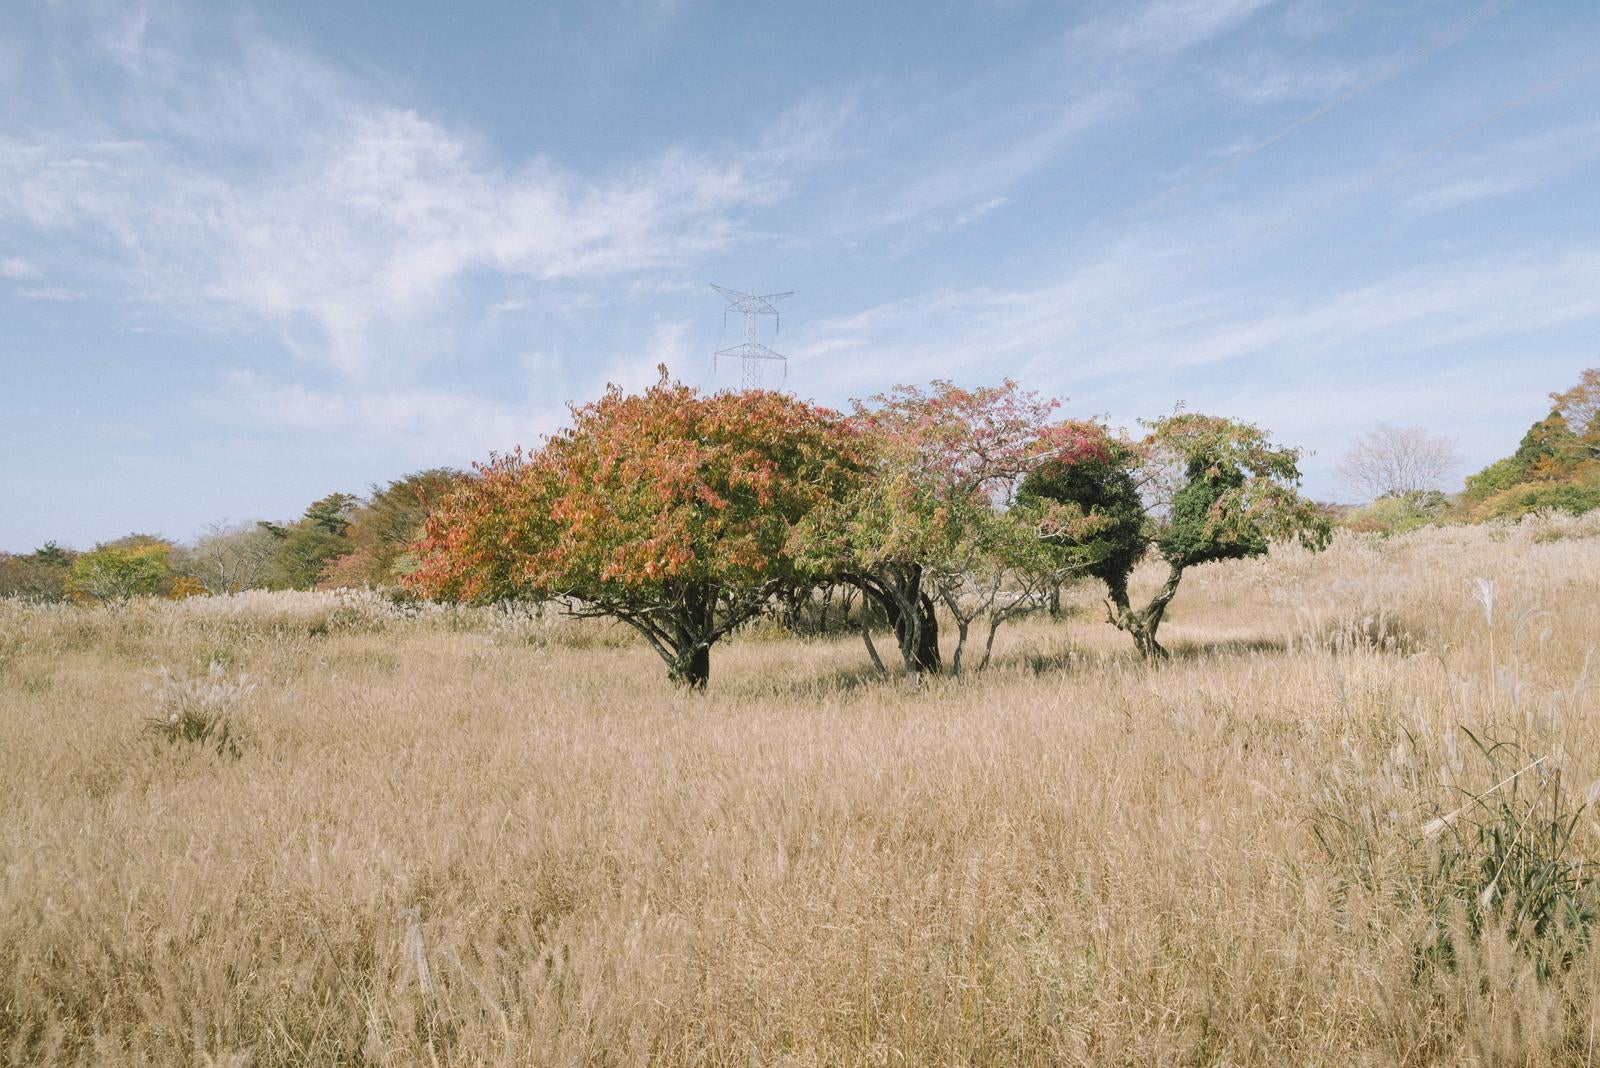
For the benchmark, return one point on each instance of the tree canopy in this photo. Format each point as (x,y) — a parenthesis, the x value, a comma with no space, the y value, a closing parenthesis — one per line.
(671,511)
(381,529)
(938,467)
(1556,467)
(116,572)
(1390,461)
(1196,489)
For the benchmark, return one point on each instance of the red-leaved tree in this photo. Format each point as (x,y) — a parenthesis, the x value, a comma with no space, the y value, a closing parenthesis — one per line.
(939,468)
(670,510)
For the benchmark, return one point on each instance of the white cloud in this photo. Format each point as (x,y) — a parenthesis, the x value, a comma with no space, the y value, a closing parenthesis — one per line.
(1119,321)
(371,234)
(1516,166)
(971,162)
(18,269)
(979,210)
(56,293)
(1466,191)
(667,345)
(423,424)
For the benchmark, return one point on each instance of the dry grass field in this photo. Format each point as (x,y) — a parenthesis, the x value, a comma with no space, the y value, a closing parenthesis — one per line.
(461,837)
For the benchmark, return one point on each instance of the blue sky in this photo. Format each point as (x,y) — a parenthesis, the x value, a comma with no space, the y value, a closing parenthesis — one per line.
(253,254)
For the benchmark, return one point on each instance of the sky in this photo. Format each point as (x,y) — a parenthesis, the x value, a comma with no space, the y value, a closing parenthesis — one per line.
(253,254)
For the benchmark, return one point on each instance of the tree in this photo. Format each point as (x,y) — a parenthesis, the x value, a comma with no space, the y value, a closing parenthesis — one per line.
(302,550)
(1014,556)
(1001,569)
(1556,466)
(381,530)
(1392,461)
(332,513)
(1085,504)
(229,558)
(300,553)
(37,576)
(1196,489)
(937,466)
(1579,408)
(670,510)
(116,572)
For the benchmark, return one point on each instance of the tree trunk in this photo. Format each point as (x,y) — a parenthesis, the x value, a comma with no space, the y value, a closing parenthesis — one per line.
(872,650)
(988,646)
(952,601)
(1143,623)
(962,628)
(691,667)
(916,632)
(918,636)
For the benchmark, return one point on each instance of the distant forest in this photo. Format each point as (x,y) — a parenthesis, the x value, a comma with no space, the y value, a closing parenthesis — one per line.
(349,540)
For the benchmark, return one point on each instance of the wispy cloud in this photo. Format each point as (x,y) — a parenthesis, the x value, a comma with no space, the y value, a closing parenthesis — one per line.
(417,423)
(1118,324)
(1513,166)
(362,222)
(976,162)
(56,293)
(1166,26)
(1265,79)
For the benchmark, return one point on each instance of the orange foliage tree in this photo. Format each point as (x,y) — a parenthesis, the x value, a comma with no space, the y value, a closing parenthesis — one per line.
(671,511)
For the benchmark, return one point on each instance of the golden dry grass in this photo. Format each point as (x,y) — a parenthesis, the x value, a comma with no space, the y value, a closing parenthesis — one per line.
(477,840)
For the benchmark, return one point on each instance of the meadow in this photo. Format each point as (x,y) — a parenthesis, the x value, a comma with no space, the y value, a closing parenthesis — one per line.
(1347,823)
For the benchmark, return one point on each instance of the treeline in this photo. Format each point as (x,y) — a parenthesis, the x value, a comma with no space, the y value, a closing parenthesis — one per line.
(1555,468)
(685,515)
(341,540)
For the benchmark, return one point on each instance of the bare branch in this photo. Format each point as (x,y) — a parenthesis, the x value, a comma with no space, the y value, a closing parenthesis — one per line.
(1390,461)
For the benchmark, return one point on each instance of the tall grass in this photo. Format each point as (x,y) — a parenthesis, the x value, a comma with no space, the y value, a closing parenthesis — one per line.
(467,837)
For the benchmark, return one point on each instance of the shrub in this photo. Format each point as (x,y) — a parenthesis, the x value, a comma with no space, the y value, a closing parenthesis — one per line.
(201,709)
(1399,513)
(1506,860)
(1541,498)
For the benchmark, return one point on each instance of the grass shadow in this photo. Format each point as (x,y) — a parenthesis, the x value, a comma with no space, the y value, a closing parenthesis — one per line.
(1227,649)
(830,682)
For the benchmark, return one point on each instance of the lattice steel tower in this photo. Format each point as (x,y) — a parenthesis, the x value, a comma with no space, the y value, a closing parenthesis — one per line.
(752,354)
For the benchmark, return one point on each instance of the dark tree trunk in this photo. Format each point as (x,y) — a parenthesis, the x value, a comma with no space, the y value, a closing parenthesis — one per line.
(916,629)
(683,634)
(918,637)
(963,628)
(691,668)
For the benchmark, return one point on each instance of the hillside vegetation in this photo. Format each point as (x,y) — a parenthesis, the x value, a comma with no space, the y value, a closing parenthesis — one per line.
(291,828)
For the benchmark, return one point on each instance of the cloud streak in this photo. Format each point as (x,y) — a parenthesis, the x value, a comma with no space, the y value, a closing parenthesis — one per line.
(362,224)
